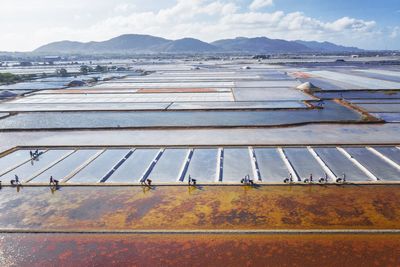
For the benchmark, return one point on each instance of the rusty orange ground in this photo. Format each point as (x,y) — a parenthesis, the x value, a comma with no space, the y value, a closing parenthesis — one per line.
(195,250)
(299,75)
(224,207)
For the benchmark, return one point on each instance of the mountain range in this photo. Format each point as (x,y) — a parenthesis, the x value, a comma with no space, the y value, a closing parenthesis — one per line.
(135,43)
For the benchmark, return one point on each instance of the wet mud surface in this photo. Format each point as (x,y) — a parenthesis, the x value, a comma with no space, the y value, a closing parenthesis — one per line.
(213,207)
(199,250)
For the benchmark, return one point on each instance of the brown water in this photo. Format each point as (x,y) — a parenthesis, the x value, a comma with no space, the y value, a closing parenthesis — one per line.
(199,250)
(178,208)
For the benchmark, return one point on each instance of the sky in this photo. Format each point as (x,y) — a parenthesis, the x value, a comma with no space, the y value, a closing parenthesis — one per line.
(368,24)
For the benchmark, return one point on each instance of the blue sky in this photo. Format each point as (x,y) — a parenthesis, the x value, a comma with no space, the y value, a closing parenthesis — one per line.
(369,24)
(385,11)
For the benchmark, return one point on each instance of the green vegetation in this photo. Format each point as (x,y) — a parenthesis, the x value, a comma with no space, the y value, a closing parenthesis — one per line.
(87,69)
(101,68)
(62,72)
(9,78)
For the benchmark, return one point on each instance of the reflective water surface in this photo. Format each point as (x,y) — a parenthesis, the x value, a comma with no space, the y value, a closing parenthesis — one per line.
(199,250)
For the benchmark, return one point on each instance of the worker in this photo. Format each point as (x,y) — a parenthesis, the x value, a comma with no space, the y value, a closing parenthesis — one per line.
(53,181)
(341,180)
(192,181)
(288,180)
(15,181)
(247,180)
(36,154)
(323,180)
(309,180)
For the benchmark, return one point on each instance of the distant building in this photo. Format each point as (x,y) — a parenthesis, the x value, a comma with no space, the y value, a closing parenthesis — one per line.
(25,64)
(53,58)
(261,57)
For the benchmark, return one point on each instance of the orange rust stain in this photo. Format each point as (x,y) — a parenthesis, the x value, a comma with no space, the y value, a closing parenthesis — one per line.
(175,208)
(200,250)
(300,75)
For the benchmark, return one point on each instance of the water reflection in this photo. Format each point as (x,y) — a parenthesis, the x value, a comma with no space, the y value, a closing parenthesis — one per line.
(147,188)
(194,188)
(54,188)
(208,250)
(44,120)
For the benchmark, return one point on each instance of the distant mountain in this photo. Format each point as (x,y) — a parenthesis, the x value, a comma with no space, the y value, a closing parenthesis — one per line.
(327,47)
(129,43)
(59,47)
(260,45)
(135,43)
(188,45)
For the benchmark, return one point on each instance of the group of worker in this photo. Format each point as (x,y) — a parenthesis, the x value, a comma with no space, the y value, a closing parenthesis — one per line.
(247,180)
(16,181)
(322,180)
(192,182)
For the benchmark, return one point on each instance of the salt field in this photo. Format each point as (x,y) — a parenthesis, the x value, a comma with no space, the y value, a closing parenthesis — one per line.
(232,151)
(356,82)
(230,95)
(219,164)
(201,133)
(332,112)
(388,117)
(121,98)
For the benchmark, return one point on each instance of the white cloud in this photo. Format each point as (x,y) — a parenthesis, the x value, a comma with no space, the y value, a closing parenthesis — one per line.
(347,23)
(208,20)
(125,7)
(395,32)
(257,4)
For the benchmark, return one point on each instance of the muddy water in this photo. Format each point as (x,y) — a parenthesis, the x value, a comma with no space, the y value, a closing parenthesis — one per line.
(199,250)
(125,208)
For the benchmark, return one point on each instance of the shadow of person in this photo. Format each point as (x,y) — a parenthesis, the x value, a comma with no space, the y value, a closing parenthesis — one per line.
(248,187)
(194,188)
(148,188)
